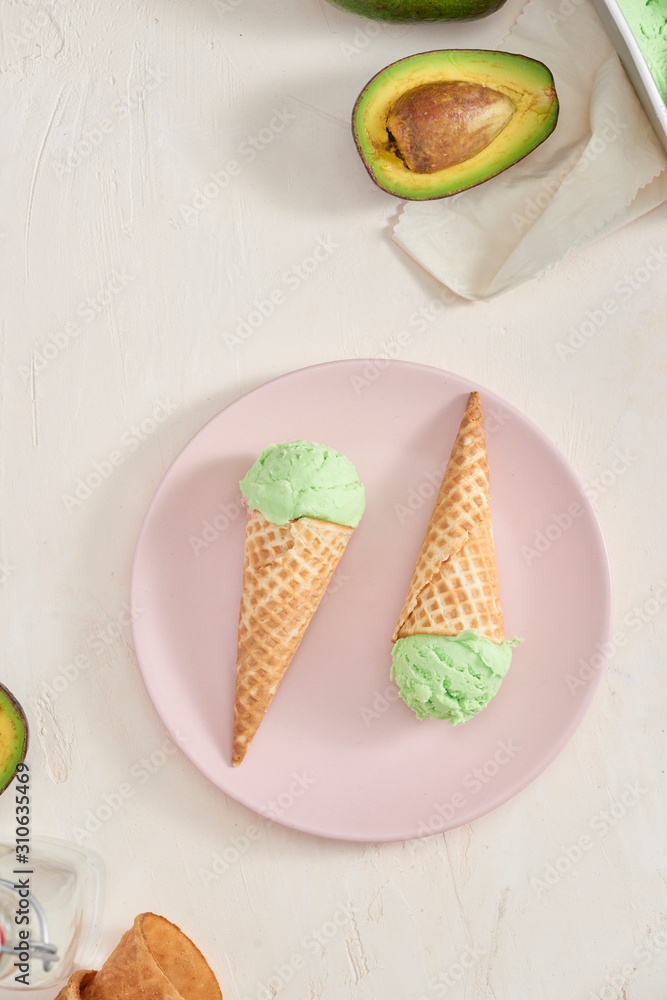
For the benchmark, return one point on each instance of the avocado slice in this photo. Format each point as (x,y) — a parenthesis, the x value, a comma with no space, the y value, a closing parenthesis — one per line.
(440,122)
(13,736)
(405,11)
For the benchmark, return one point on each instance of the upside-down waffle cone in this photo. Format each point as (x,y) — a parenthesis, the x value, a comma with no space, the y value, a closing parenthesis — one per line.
(455,582)
(75,988)
(154,960)
(286,570)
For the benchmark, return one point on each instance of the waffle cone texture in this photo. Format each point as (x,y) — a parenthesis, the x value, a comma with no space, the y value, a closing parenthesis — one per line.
(154,960)
(286,570)
(455,581)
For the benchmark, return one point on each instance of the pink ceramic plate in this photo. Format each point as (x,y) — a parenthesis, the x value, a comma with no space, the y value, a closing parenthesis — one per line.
(337,754)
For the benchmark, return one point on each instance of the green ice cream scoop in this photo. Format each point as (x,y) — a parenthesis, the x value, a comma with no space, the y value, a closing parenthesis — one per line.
(449,676)
(304,479)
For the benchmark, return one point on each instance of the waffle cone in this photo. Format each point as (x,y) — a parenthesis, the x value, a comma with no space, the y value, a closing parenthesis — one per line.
(154,960)
(286,571)
(455,581)
(75,987)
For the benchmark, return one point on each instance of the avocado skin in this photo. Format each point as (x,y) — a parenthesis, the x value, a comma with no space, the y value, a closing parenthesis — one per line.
(410,11)
(528,82)
(14,754)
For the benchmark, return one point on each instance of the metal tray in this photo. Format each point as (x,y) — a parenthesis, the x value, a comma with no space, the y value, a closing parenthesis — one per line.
(635,65)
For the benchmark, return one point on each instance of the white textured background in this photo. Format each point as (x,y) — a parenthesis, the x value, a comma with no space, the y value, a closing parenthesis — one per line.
(122,287)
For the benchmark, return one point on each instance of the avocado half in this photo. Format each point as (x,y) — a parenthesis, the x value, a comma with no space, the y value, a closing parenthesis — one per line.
(13,736)
(527,83)
(406,11)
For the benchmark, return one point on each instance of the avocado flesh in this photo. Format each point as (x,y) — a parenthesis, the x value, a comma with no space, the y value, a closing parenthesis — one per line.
(526,83)
(406,11)
(438,125)
(13,736)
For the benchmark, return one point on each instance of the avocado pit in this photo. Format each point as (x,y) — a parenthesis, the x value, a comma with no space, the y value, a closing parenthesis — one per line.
(438,125)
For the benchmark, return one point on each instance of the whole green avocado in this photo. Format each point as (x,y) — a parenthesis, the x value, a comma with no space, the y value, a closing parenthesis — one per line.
(405,11)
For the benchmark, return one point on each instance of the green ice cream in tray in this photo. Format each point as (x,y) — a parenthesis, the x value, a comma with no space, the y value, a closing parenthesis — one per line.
(638,30)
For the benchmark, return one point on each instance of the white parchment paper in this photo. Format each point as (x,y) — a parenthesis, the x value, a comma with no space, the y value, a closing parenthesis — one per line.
(602,167)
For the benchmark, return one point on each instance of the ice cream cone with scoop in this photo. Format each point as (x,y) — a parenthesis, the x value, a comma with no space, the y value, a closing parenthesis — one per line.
(304,501)
(450,652)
